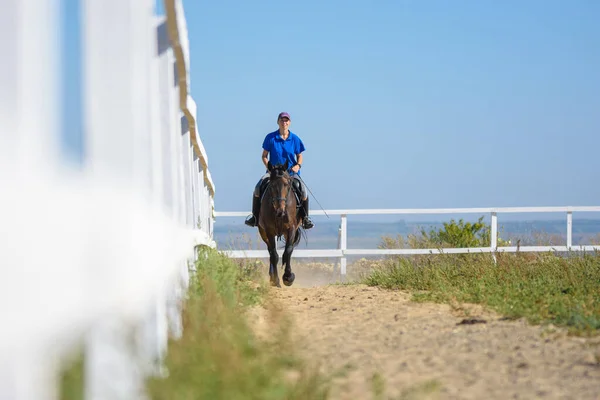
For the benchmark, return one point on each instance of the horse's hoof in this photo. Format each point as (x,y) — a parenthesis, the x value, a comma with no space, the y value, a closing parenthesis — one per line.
(275,283)
(288,280)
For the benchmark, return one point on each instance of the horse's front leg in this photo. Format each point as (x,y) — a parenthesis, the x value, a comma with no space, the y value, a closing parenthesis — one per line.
(288,275)
(273,257)
(273,261)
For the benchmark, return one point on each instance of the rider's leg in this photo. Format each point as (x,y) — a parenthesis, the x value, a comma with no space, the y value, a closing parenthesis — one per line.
(252,220)
(306,221)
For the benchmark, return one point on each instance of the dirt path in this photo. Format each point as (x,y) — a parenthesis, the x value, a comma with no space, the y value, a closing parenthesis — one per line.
(423,351)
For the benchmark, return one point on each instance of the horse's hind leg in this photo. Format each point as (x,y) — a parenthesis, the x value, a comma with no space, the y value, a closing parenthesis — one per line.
(288,275)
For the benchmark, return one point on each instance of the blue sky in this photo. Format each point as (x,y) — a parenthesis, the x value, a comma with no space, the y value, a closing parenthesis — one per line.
(404,104)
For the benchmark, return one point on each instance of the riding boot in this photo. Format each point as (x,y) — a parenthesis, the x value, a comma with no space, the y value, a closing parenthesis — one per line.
(306,222)
(252,220)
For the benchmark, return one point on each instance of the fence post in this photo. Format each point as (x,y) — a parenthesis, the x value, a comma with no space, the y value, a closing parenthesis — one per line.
(494,235)
(339,246)
(569,229)
(343,243)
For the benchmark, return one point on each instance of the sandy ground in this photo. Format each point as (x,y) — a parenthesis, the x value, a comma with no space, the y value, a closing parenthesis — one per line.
(431,351)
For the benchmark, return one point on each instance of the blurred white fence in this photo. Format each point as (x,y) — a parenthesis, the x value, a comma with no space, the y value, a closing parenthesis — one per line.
(97,254)
(342,251)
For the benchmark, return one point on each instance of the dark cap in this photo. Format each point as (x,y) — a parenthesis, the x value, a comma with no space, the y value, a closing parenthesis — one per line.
(283,114)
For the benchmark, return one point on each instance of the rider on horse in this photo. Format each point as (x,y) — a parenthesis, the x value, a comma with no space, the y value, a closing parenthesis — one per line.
(278,147)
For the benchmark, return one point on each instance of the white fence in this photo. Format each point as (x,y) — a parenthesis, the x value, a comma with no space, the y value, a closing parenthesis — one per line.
(97,254)
(342,251)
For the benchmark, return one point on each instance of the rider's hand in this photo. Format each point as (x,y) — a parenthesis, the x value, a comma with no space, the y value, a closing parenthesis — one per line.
(296,168)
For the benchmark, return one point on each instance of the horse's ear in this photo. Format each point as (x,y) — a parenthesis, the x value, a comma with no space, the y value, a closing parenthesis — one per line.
(269,166)
(285,166)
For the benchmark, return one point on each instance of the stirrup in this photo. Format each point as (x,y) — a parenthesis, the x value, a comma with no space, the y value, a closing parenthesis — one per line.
(251,221)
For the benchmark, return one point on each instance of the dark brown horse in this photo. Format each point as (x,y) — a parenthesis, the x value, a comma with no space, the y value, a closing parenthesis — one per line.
(278,219)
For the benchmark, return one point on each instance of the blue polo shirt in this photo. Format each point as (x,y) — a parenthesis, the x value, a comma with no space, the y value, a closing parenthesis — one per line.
(281,150)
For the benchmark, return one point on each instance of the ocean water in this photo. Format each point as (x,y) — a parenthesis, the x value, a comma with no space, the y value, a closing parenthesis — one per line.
(369,235)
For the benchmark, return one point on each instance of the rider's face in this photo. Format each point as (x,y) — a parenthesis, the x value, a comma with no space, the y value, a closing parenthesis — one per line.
(284,123)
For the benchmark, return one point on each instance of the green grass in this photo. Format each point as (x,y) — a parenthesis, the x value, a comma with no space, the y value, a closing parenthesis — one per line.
(542,288)
(219,356)
(71,383)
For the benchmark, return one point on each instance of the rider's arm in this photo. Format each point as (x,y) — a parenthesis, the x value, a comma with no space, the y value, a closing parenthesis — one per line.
(298,165)
(265,158)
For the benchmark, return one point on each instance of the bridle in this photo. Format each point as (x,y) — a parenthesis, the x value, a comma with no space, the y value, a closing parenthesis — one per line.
(276,197)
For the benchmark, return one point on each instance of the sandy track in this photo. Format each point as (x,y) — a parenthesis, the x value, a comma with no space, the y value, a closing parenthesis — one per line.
(423,351)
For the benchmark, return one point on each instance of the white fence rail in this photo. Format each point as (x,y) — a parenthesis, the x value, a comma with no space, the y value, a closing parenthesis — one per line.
(342,251)
(97,254)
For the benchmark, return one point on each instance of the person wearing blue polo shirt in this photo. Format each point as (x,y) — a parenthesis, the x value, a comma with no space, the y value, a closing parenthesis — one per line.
(278,147)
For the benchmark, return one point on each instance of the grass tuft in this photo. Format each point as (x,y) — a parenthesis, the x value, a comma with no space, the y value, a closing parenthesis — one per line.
(220,356)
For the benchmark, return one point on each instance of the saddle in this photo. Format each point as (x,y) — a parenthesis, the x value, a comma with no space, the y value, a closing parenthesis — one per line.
(296,185)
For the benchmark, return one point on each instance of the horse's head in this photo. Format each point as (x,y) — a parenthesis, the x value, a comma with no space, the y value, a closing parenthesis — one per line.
(280,187)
